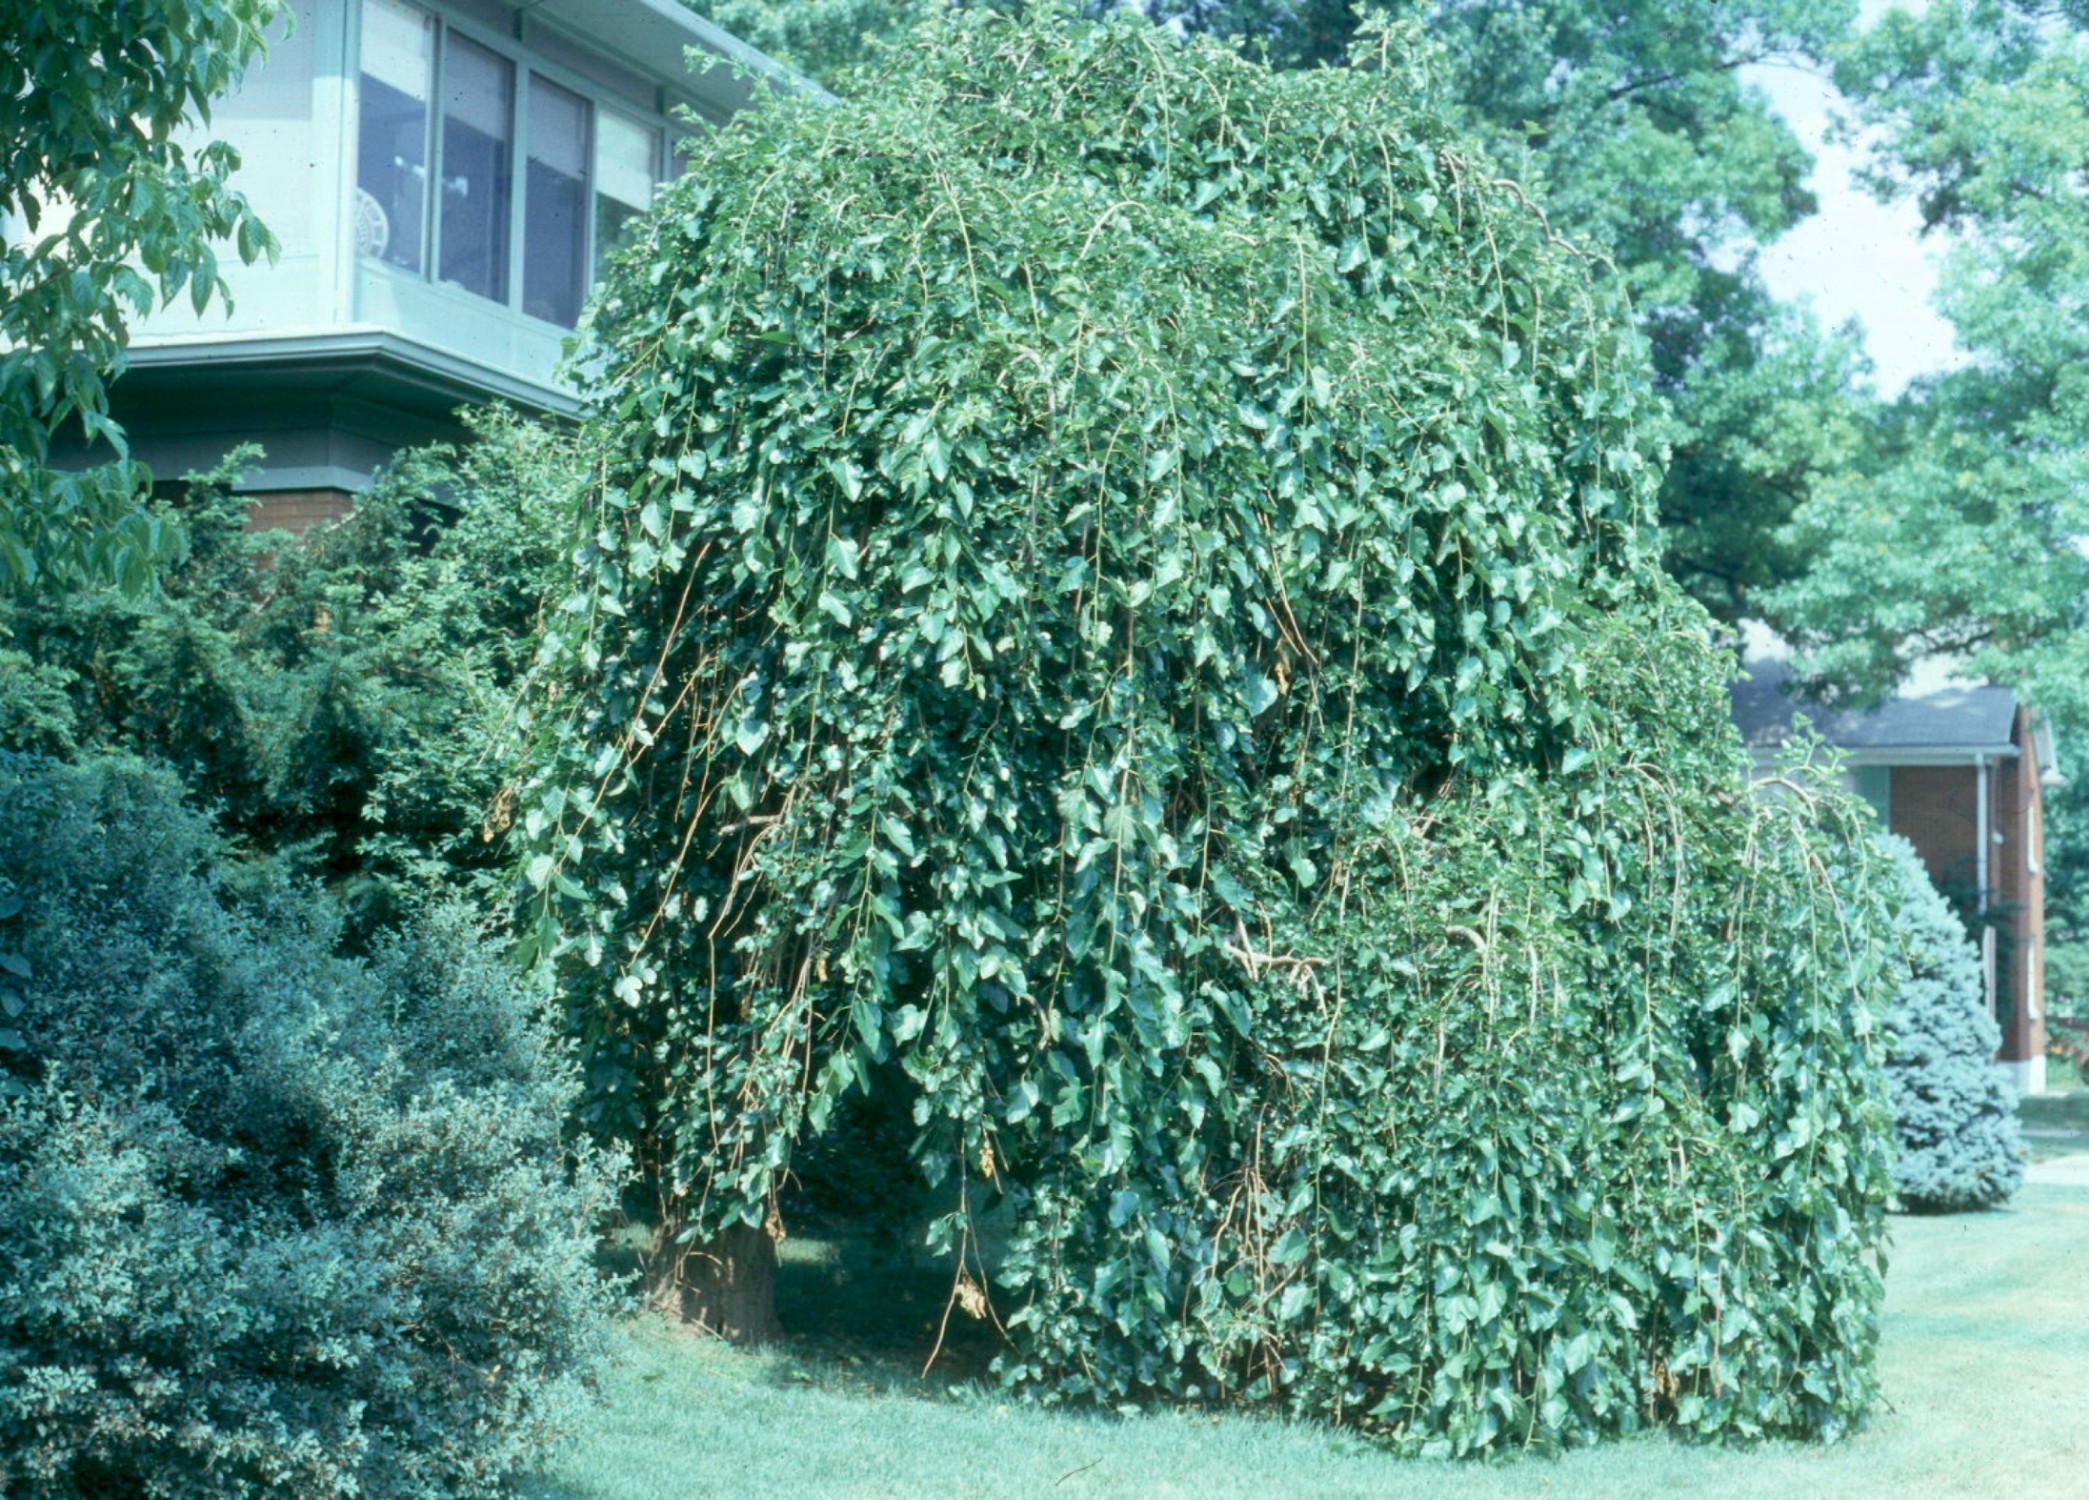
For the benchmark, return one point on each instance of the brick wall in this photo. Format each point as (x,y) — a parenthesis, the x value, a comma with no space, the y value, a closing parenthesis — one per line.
(1935,809)
(297,511)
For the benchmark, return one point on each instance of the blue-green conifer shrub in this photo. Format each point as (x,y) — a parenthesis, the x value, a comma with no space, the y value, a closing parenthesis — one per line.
(272,1222)
(1960,1146)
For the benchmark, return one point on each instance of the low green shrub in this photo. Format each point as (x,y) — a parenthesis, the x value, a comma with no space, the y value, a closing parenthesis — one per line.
(1960,1145)
(272,1222)
(338,699)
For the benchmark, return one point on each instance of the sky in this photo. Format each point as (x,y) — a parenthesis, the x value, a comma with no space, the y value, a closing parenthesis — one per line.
(1857,258)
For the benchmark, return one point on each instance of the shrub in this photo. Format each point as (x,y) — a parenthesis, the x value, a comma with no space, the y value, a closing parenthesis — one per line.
(340,699)
(1123,614)
(1955,1116)
(271,1222)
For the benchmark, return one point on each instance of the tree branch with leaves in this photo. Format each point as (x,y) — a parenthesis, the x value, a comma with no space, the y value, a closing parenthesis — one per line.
(109,210)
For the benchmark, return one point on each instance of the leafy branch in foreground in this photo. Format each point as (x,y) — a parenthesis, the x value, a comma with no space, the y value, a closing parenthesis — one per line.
(94,175)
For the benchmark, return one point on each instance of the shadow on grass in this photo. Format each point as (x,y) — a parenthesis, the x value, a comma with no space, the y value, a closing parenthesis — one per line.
(537,1487)
(861,1314)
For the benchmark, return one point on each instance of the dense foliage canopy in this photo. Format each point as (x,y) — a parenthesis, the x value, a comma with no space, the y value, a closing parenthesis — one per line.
(107,211)
(1123,614)
(271,1222)
(1633,123)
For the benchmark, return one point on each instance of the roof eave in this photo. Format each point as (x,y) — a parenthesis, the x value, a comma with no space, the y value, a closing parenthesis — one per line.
(445,375)
(1904,755)
(654,36)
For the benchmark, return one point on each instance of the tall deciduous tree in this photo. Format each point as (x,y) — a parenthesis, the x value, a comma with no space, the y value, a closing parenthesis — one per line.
(1961,534)
(106,212)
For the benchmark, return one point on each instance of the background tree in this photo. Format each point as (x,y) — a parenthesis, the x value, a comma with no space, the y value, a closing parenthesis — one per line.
(1121,614)
(822,39)
(1960,532)
(1957,536)
(105,212)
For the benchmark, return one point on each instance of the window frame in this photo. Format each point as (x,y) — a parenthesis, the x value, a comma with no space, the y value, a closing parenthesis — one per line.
(435,207)
(591,106)
(431,129)
(668,135)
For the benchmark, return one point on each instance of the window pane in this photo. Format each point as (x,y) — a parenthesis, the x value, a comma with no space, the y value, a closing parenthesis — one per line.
(626,157)
(478,89)
(392,133)
(554,256)
(1875,785)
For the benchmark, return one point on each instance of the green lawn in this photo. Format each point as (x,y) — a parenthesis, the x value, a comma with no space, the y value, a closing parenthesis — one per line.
(2057,1122)
(1986,1365)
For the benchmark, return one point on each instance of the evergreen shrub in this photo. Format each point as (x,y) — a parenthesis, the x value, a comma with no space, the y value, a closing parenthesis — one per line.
(1955,1115)
(342,699)
(1123,608)
(272,1223)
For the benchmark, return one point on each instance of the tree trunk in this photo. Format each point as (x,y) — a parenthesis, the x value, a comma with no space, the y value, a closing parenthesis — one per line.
(725,1286)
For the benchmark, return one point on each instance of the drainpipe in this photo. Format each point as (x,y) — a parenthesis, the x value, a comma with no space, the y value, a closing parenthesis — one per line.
(1980,865)
(1980,779)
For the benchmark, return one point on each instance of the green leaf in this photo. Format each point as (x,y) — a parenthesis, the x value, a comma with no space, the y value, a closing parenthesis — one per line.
(1289,1249)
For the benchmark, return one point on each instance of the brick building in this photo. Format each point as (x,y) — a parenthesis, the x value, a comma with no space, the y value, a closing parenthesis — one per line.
(1960,773)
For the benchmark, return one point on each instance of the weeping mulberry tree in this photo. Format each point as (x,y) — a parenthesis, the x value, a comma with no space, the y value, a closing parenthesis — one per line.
(1122,612)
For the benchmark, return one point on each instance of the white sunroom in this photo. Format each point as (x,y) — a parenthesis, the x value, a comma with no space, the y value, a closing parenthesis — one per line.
(445,178)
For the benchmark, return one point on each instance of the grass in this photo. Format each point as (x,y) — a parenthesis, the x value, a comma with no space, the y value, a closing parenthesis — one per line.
(1985,1363)
(2057,1123)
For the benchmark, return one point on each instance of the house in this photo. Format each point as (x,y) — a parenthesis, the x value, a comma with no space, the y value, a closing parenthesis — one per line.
(445,177)
(1959,772)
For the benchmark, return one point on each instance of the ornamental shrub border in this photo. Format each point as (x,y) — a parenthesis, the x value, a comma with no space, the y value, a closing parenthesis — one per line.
(272,1222)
